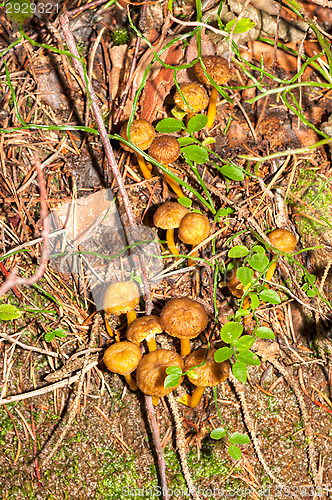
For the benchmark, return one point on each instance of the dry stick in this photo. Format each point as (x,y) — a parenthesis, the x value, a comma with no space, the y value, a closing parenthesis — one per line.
(64,21)
(181,446)
(12,280)
(239,389)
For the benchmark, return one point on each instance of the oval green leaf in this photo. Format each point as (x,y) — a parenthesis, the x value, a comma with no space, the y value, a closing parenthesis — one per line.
(196,123)
(171,380)
(238,251)
(195,153)
(232,172)
(243,343)
(243,25)
(231,331)
(240,371)
(9,312)
(263,332)
(173,370)
(222,354)
(254,301)
(259,262)
(270,296)
(245,275)
(184,141)
(218,433)
(169,125)
(238,438)
(185,202)
(234,452)
(249,358)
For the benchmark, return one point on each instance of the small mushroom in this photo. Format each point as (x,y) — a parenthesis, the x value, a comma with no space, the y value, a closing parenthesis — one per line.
(209,374)
(217,68)
(123,358)
(284,241)
(145,328)
(142,134)
(166,149)
(194,228)
(168,216)
(121,297)
(151,372)
(195,96)
(185,319)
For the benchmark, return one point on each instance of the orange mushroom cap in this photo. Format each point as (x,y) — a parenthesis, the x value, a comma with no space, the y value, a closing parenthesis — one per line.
(169,215)
(283,240)
(165,149)
(183,318)
(142,134)
(194,228)
(121,297)
(151,371)
(209,374)
(143,327)
(216,67)
(122,357)
(195,95)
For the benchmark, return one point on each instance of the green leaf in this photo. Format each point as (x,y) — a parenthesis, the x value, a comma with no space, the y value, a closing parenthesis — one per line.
(263,332)
(231,331)
(208,140)
(311,293)
(184,141)
(178,113)
(243,343)
(218,433)
(49,336)
(311,278)
(232,172)
(185,202)
(238,438)
(240,371)
(238,251)
(270,296)
(169,125)
(258,249)
(254,300)
(171,380)
(196,123)
(234,452)
(192,374)
(173,370)
(249,358)
(59,332)
(19,11)
(8,312)
(222,354)
(241,313)
(244,24)
(195,153)
(259,262)
(245,275)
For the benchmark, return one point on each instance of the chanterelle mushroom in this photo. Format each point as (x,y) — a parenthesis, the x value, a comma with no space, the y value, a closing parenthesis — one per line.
(209,374)
(123,358)
(142,134)
(121,297)
(185,319)
(145,328)
(168,216)
(166,149)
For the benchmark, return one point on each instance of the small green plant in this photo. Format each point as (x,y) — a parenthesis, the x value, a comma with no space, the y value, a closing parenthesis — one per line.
(9,312)
(52,334)
(120,36)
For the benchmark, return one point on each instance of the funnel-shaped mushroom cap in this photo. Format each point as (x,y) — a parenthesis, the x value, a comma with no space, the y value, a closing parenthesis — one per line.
(194,228)
(165,149)
(121,297)
(151,371)
(283,240)
(209,374)
(235,286)
(169,215)
(122,357)
(142,134)
(216,67)
(143,327)
(195,95)
(183,318)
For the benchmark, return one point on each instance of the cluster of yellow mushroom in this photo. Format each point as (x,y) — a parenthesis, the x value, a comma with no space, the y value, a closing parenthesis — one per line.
(182,318)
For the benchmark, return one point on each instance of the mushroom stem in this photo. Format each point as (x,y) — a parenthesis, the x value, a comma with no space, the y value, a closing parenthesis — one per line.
(170,242)
(185,347)
(155,400)
(192,262)
(151,341)
(143,166)
(110,331)
(131,382)
(131,316)
(211,114)
(192,401)
(246,305)
(174,185)
(270,271)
